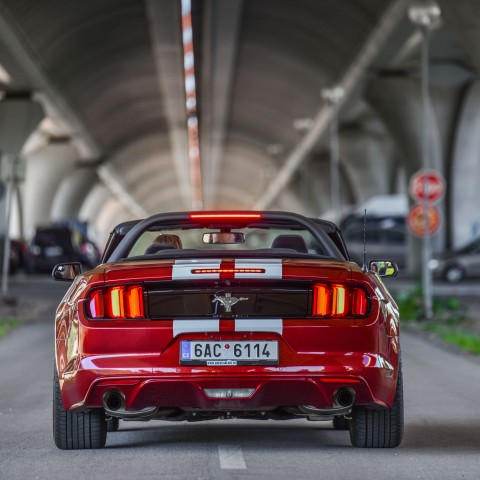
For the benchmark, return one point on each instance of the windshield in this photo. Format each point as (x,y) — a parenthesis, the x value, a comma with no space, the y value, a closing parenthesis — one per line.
(164,242)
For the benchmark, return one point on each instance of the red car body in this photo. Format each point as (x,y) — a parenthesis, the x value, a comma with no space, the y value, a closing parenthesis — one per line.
(332,327)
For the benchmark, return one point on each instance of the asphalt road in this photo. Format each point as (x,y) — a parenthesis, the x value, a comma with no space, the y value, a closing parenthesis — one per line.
(442,439)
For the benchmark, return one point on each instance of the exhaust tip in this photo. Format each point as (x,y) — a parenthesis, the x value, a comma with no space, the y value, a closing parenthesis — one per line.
(113,400)
(344,397)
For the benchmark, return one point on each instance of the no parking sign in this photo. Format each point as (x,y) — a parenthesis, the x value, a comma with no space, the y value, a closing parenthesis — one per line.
(426,188)
(423,217)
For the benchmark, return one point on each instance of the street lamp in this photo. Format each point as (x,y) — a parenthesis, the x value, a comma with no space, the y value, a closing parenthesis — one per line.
(333,96)
(425,15)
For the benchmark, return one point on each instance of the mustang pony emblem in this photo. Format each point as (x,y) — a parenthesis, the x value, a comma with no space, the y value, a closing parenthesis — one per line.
(228,301)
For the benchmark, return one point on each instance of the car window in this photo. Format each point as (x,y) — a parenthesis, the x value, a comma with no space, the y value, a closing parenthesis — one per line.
(395,237)
(48,238)
(355,234)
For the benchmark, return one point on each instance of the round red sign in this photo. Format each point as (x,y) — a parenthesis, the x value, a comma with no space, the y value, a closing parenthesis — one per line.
(427,186)
(416,219)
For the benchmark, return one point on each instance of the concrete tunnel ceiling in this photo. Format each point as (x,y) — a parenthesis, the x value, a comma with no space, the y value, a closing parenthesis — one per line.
(111,73)
(99,57)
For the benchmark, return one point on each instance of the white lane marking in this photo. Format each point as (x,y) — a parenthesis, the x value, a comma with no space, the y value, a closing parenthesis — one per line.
(231,457)
(193,326)
(260,325)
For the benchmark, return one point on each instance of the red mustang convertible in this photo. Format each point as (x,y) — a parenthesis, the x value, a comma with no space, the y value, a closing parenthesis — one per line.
(207,315)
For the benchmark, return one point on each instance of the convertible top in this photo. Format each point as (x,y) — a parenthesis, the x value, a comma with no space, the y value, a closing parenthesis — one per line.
(327,233)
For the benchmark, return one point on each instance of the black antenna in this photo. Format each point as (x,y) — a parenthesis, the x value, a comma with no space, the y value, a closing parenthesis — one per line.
(364,266)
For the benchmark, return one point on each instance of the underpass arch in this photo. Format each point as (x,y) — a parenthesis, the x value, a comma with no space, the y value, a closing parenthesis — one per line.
(72,192)
(154,147)
(143,162)
(93,203)
(112,213)
(155,196)
(246,166)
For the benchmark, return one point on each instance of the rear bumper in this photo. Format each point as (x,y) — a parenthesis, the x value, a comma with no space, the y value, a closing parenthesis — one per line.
(144,384)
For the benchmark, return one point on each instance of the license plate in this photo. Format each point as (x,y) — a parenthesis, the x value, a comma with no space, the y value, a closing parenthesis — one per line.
(212,353)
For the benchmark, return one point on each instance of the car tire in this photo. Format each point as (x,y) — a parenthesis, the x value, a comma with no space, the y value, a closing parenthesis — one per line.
(77,430)
(370,428)
(341,423)
(113,424)
(454,273)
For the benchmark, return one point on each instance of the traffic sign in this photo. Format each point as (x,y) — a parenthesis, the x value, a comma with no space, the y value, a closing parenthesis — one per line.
(427,186)
(416,219)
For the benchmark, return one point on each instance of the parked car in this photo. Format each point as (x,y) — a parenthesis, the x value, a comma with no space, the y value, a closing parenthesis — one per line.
(16,255)
(459,264)
(385,237)
(51,245)
(259,315)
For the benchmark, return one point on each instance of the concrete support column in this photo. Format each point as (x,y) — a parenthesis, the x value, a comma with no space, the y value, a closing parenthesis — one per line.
(45,171)
(19,116)
(398,102)
(464,171)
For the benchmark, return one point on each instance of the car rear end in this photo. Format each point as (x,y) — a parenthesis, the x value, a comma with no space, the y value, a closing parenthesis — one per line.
(288,334)
(260,333)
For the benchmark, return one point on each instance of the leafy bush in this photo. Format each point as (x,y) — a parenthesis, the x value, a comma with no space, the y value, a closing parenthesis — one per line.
(448,311)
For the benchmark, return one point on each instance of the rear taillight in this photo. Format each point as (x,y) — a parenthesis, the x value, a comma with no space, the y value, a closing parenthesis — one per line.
(121,302)
(337,300)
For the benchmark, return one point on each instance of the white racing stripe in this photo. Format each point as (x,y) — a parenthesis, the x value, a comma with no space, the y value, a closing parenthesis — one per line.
(231,457)
(182,269)
(272,267)
(193,326)
(274,325)
(259,325)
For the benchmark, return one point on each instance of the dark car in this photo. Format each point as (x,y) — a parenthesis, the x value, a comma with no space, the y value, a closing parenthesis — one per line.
(51,245)
(457,265)
(223,315)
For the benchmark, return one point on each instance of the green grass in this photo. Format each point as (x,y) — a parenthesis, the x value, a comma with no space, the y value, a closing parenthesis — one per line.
(469,341)
(464,340)
(451,323)
(7,324)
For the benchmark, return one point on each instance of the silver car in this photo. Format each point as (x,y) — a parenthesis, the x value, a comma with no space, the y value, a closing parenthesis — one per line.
(385,237)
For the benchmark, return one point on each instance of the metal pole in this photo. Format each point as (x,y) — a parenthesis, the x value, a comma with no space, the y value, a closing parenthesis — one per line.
(333,97)
(426,15)
(334,167)
(427,244)
(6,242)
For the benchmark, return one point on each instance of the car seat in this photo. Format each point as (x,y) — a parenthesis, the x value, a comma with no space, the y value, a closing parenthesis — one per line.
(293,242)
